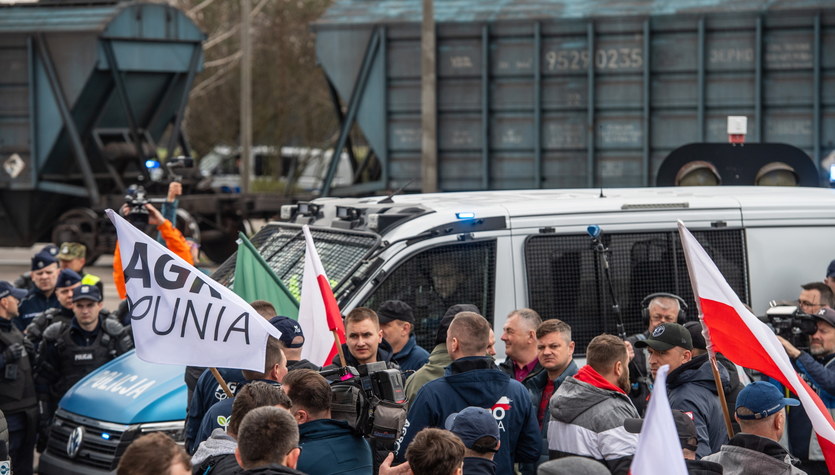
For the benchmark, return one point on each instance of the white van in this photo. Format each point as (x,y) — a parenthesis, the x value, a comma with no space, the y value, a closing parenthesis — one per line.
(503,250)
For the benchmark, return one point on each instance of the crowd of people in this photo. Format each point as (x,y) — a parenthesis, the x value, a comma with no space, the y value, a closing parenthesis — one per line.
(536,412)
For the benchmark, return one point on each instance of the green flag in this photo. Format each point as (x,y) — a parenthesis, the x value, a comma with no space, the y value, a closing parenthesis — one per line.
(254,280)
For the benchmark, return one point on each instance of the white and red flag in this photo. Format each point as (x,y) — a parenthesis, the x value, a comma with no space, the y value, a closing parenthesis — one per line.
(659,450)
(319,315)
(744,339)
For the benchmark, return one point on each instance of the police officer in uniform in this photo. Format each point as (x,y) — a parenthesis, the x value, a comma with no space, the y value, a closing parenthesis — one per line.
(73,255)
(68,280)
(17,388)
(42,296)
(69,352)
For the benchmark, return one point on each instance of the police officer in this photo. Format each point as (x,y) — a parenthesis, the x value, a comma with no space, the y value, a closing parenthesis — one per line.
(73,255)
(25,280)
(68,280)
(69,352)
(17,389)
(42,296)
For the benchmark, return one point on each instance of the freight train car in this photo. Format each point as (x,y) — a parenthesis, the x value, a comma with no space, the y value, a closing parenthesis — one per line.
(567,93)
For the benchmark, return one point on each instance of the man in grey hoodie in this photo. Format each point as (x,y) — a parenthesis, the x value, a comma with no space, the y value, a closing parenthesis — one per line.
(760,411)
(217,453)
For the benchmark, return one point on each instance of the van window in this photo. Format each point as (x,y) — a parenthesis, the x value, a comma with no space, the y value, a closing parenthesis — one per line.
(438,278)
(566,281)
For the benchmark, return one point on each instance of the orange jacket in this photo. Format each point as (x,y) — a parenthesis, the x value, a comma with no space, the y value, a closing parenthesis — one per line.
(174,240)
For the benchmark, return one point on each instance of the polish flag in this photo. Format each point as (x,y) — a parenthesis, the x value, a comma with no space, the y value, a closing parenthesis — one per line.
(744,339)
(659,449)
(319,315)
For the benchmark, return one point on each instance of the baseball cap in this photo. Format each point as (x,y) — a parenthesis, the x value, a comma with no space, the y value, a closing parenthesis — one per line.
(451,312)
(50,249)
(42,259)
(7,289)
(471,424)
(86,292)
(391,310)
(289,329)
(695,329)
(667,336)
(685,427)
(827,315)
(763,399)
(71,250)
(67,278)
(830,271)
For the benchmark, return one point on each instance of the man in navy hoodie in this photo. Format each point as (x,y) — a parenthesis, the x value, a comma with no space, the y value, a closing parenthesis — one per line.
(328,446)
(474,380)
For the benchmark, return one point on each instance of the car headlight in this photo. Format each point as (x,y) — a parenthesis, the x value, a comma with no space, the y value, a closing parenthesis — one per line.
(175,429)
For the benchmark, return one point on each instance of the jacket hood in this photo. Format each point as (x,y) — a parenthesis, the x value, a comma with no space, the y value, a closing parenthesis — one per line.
(220,443)
(323,429)
(575,398)
(479,387)
(698,371)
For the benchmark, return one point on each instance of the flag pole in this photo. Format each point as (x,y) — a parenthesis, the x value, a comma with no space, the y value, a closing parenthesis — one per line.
(222,382)
(720,390)
(339,348)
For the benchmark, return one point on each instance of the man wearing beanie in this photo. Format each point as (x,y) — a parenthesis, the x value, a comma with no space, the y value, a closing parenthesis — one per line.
(761,413)
(397,321)
(42,295)
(690,383)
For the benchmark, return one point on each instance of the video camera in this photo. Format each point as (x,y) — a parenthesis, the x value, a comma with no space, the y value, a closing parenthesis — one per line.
(136,199)
(370,398)
(789,322)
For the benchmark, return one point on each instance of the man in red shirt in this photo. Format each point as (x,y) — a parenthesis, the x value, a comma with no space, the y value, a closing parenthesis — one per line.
(519,337)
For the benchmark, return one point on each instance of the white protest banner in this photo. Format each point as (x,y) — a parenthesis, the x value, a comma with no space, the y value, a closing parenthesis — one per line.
(179,315)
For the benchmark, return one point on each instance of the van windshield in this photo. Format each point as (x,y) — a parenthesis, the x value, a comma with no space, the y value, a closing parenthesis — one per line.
(282,246)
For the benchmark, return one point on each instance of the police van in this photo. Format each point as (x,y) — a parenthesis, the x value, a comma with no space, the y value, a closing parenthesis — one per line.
(499,250)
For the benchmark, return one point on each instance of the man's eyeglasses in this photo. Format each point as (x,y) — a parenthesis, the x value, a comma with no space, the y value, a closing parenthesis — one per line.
(806,303)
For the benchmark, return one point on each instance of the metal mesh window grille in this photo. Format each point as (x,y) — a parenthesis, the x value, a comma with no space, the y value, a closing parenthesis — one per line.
(283,248)
(438,278)
(565,278)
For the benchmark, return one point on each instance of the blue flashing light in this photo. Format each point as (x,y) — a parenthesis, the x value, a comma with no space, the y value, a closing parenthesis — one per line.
(105,436)
(832,173)
(151,164)
(465,215)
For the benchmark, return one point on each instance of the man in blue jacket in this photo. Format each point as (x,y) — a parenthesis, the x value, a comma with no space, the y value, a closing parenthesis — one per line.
(555,353)
(817,368)
(474,380)
(397,320)
(328,446)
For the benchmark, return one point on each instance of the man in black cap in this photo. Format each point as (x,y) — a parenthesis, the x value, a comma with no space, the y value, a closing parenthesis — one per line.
(71,351)
(479,431)
(397,321)
(291,342)
(42,296)
(68,280)
(815,366)
(760,411)
(17,389)
(439,359)
(690,383)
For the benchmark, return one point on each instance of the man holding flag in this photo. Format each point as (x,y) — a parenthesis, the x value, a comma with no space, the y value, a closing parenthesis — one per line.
(817,369)
(731,329)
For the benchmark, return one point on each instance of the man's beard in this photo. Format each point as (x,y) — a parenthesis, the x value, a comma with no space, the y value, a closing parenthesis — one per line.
(623,382)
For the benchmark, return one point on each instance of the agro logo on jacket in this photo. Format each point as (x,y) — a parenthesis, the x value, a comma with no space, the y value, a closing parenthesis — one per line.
(500,409)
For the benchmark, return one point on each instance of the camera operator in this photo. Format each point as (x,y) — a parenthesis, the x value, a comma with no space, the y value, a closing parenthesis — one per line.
(816,367)
(364,340)
(320,436)
(174,241)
